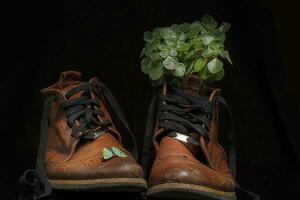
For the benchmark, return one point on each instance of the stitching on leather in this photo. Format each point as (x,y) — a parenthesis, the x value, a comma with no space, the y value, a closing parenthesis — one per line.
(52,164)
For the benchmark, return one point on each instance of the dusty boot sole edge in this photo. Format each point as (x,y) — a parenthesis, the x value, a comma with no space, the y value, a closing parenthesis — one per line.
(104,185)
(188,191)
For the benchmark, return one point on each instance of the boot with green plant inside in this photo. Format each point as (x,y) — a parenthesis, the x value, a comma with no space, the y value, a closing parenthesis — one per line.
(181,149)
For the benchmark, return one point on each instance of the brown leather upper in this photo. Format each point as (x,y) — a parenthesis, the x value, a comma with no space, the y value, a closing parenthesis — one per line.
(69,157)
(176,163)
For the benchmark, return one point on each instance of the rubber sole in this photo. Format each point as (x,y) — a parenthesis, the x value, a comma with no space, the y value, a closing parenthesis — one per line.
(188,191)
(103,185)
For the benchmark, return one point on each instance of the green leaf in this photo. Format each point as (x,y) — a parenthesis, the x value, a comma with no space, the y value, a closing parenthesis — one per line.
(204,73)
(164,54)
(148,51)
(171,41)
(205,32)
(173,52)
(215,65)
(170,63)
(179,70)
(192,33)
(182,46)
(207,39)
(156,72)
(207,53)
(158,81)
(151,46)
(224,27)
(218,76)
(118,152)
(199,64)
(142,52)
(155,57)
(197,25)
(190,54)
(167,32)
(217,46)
(220,37)
(182,37)
(156,32)
(161,46)
(196,42)
(148,36)
(182,27)
(174,26)
(225,54)
(207,19)
(145,65)
(106,154)
(209,22)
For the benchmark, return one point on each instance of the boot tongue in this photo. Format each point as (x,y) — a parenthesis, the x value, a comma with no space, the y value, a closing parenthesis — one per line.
(192,85)
(69,76)
(70,80)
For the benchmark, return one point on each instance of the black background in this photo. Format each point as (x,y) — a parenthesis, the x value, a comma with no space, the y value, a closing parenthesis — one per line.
(104,39)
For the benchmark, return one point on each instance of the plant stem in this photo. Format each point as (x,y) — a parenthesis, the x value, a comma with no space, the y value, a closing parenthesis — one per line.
(165,88)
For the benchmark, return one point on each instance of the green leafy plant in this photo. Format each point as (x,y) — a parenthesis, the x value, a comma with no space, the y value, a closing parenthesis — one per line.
(175,52)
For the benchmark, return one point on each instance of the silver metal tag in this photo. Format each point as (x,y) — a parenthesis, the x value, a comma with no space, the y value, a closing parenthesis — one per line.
(94,135)
(184,138)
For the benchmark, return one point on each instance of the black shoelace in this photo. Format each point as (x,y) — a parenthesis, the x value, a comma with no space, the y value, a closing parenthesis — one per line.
(185,113)
(84,110)
(34,183)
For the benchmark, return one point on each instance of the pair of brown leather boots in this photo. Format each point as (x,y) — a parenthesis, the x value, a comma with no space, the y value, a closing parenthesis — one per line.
(86,143)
